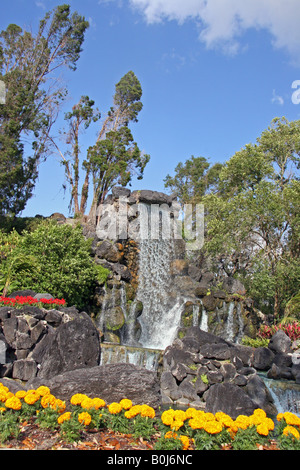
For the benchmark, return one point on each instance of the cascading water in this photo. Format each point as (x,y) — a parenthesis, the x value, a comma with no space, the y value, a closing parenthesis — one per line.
(161,304)
(286,395)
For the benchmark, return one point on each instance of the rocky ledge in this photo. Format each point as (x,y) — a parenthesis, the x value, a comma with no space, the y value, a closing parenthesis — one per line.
(205,371)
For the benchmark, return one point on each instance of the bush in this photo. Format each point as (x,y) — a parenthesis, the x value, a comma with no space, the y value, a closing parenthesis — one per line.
(52,258)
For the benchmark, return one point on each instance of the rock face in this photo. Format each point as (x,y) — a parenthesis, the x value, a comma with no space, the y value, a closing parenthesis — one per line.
(74,345)
(110,382)
(203,370)
(37,341)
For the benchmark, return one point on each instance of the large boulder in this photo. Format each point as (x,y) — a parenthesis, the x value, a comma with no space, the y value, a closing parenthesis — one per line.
(111,382)
(280,343)
(74,345)
(229,398)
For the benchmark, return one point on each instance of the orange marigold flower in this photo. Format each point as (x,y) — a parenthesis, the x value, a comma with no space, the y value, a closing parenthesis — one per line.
(48,400)
(290,430)
(64,417)
(84,418)
(13,403)
(114,408)
(126,404)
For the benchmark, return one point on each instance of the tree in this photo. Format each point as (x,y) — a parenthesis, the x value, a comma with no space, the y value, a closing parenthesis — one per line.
(193,179)
(253,224)
(116,158)
(28,67)
(81,116)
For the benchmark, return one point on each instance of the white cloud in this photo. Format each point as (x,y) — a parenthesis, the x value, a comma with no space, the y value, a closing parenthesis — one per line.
(277,99)
(222,22)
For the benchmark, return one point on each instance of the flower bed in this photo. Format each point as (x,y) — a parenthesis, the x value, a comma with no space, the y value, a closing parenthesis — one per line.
(20,301)
(170,430)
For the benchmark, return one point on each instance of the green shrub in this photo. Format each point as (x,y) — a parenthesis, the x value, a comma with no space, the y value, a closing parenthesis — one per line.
(52,258)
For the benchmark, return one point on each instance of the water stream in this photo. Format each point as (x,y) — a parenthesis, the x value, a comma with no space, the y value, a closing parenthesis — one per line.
(285,393)
(161,303)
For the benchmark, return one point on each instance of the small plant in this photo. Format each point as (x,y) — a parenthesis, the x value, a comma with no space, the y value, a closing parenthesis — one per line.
(204,378)
(9,425)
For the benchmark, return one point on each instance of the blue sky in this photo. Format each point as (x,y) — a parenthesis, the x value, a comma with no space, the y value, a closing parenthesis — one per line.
(214,73)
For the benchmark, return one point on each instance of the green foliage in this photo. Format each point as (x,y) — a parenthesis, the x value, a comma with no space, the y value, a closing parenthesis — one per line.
(9,425)
(71,429)
(246,439)
(252,224)
(255,342)
(27,64)
(170,443)
(57,261)
(102,274)
(206,441)
(143,426)
(193,179)
(114,160)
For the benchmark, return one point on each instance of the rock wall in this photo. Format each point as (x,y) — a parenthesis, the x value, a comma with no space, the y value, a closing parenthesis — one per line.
(119,252)
(40,342)
(205,371)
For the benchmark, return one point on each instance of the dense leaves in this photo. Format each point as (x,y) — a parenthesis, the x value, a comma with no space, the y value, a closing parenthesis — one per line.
(53,258)
(28,66)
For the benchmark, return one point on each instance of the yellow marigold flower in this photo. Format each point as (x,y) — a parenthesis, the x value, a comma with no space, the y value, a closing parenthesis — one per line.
(43,390)
(84,418)
(2,409)
(197,423)
(14,403)
(291,419)
(177,424)
(3,396)
(209,416)
(126,404)
(48,400)
(3,388)
(167,417)
(147,411)
(64,417)
(257,417)
(87,403)
(213,427)
(279,416)
(242,422)
(180,415)
(259,412)
(224,419)
(262,429)
(171,435)
(77,398)
(134,411)
(185,442)
(114,408)
(59,405)
(31,398)
(291,430)
(98,403)
(20,393)
(190,412)
(270,423)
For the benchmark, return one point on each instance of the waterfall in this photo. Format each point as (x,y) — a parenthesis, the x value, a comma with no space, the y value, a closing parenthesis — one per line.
(229,326)
(142,357)
(204,319)
(286,394)
(196,311)
(161,304)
